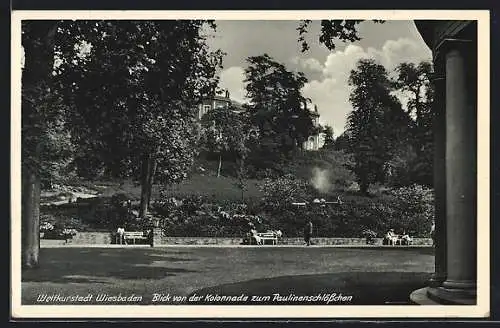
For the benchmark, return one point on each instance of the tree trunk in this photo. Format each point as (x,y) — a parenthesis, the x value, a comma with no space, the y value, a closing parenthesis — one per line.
(152,179)
(38,42)
(146,183)
(30,219)
(220,165)
(363,187)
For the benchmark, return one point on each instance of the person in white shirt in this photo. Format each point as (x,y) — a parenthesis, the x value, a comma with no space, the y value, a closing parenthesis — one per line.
(390,237)
(121,235)
(406,239)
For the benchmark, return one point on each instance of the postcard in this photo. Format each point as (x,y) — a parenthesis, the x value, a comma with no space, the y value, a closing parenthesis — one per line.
(250,164)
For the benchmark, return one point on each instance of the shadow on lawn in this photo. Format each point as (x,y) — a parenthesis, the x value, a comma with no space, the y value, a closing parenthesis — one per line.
(99,265)
(366,288)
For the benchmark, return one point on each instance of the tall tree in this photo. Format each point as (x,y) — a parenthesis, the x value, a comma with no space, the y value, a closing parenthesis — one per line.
(39,117)
(277,105)
(376,124)
(135,95)
(222,132)
(329,140)
(414,81)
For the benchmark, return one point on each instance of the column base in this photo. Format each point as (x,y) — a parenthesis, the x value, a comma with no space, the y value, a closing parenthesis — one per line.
(444,296)
(421,297)
(436,280)
(451,296)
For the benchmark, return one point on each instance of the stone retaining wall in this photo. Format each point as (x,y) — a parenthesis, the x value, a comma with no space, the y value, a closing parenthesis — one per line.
(283,241)
(83,238)
(104,238)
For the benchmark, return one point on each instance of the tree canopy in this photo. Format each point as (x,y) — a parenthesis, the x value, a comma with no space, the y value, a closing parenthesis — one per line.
(332,30)
(414,82)
(277,105)
(377,124)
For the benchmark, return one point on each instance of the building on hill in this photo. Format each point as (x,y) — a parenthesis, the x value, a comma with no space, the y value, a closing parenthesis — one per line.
(313,142)
(218,101)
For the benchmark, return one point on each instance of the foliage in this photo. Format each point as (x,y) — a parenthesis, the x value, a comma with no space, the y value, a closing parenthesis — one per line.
(226,132)
(46,145)
(143,104)
(338,165)
(282,192)
(331,30)
(198,216)
(277,106)
(134,86)
(407,209)
(375,109)
(401,167)
(415,207)
(91,214)
(414,81)
(342,142)
(329,140)
(357,214)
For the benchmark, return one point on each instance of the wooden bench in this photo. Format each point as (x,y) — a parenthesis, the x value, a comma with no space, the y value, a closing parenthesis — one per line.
(262,237)
(398,240)
(134,235)
(268,236)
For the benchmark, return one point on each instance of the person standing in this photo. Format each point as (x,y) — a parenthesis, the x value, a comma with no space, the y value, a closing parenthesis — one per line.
(433,232)
(308,231)
(121,235)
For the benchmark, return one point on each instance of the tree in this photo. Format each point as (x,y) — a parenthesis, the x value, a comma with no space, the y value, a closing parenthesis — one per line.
(222,132)
(277,106)
(376,124)
(332,30)
(342,142)
(39,117)
(328,137)
(135,95)
(414,81)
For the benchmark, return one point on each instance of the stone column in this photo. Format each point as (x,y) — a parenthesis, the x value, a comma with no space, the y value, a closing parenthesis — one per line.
(439,132)
(157,237)
(461,174)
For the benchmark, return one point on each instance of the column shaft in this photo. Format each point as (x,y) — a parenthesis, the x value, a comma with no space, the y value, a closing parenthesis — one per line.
(439,132)
(461,190)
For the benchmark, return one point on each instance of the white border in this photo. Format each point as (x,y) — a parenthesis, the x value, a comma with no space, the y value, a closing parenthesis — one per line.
(240,311)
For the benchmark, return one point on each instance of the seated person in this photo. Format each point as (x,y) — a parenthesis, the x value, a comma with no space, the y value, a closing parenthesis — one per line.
(390,238)
(254,235)
(406,239)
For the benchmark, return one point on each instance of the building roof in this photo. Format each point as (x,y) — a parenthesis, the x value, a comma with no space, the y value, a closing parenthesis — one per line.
(435,32)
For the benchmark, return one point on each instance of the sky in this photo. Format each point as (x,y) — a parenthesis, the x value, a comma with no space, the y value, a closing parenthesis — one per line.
(390,43)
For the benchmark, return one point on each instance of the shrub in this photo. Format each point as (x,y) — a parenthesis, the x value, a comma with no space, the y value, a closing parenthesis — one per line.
(92,214)
(410,209)
(282,192)
(415,209)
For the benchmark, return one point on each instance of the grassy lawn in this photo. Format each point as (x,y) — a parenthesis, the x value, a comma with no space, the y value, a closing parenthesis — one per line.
(371,276)
(221,188)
